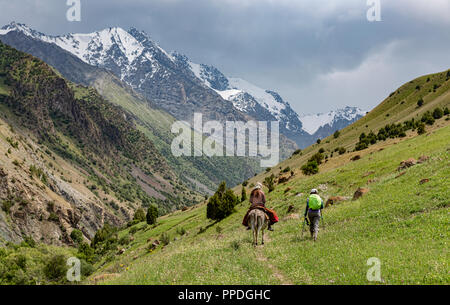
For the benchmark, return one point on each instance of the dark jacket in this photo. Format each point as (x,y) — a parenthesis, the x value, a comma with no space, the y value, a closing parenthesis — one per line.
(257,197)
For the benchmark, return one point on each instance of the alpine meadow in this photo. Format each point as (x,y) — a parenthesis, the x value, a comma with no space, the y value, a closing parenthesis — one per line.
(92,191)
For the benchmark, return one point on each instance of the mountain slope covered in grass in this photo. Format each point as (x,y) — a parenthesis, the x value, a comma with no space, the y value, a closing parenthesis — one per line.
(400,221)
(402,218)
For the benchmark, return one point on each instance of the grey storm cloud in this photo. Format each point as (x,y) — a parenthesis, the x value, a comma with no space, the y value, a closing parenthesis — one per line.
(318,54)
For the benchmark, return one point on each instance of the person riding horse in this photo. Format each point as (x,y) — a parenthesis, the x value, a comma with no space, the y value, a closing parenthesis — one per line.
(258,201)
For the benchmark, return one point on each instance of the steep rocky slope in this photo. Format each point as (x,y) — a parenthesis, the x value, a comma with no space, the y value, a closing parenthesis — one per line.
(71,158)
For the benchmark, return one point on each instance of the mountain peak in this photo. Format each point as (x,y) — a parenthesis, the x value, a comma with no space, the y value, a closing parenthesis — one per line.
(140,35)
(21,27)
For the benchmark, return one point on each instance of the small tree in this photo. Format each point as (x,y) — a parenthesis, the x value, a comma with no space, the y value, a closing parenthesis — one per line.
(318,157)
(310,168)
(269,182)
(318,141)
(446,111)
(139,215)
(86,252)
(103,234)
(221,204)
(438,113)
(427,118)
(77,236)
(421,128)
(420,102)
(243,194)
(336,134)
(298,151)
(152,214)
(56,268)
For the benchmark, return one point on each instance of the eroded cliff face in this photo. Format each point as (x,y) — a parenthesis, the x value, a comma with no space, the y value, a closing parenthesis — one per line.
(42,196)
(68,157)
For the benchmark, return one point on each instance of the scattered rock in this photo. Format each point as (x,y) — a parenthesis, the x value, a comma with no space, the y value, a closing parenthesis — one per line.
(332,200)
(424,181)
(407,163)
(103,277)
(355,158)
(132,238)
(290,208)
(154,245)
(185,208)
(371,181)
(283,179)
(322,187)
(423,159)
(135,257)
(368,173)
(2,172)
(360,192)
(298,194)
(401,174)
(291,216)
(122,251)
(287,190)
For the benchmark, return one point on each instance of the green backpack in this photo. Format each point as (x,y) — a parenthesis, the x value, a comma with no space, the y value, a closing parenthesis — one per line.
(315,202)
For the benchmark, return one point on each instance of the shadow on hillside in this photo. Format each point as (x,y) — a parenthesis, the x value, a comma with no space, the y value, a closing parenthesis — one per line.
(203,229)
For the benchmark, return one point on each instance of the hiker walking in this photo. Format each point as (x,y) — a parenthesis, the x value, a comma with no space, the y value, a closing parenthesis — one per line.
(258,201)
(313,206)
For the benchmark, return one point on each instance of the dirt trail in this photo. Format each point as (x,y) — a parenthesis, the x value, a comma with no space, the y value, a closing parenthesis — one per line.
(276,272)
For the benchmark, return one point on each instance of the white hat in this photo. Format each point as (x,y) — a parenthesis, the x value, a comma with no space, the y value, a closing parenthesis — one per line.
(314,191)
(258,186)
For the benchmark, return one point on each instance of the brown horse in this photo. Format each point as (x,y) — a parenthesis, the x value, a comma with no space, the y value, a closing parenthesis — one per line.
(258,221)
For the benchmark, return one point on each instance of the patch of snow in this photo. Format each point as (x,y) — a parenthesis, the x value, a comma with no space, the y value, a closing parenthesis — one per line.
(197,70)
(311,123)
(261,96)
(228,94)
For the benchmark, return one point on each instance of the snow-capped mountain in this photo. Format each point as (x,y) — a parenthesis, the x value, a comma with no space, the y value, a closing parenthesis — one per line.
(147,68)
(269,105)
(336,118)
(182,87)
(248,98)
(112,48)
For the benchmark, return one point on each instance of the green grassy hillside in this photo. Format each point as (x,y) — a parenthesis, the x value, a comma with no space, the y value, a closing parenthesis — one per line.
(399,107)
(400,221)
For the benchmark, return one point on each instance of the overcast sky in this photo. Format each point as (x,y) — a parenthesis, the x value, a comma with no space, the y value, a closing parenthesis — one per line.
(318,54)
